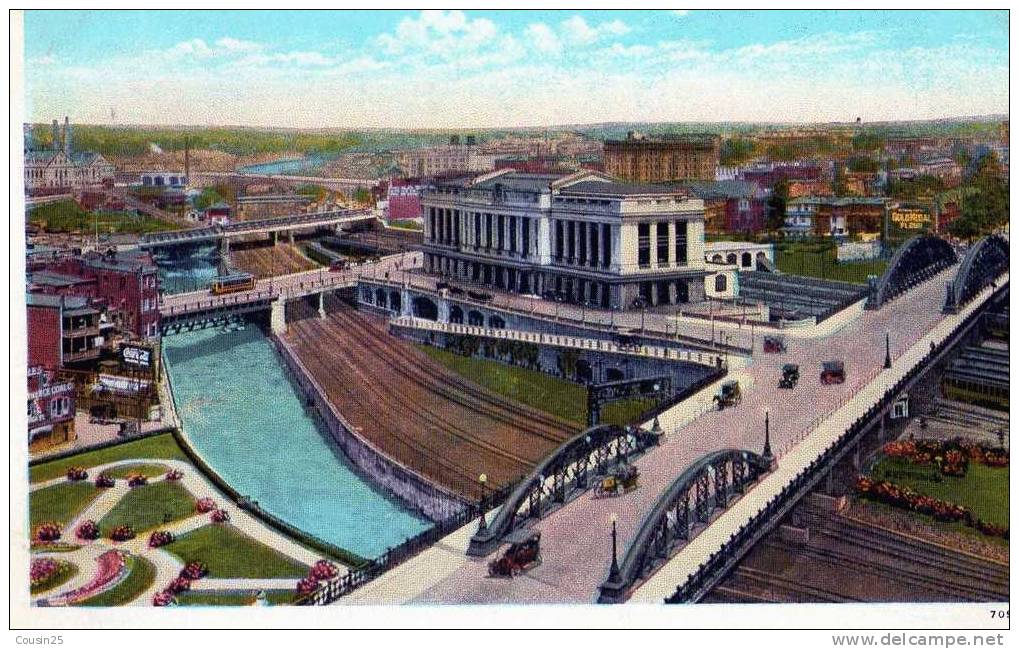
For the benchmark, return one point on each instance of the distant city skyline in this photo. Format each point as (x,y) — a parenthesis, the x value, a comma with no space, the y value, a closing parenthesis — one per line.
(487,69)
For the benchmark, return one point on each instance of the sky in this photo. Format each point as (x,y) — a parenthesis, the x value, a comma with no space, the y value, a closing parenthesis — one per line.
(441,69)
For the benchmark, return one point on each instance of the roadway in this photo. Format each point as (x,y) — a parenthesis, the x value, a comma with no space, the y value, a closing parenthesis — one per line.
(575,539)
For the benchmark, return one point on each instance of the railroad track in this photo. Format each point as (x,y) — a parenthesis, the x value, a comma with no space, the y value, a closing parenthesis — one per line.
(330,347)
(777,585)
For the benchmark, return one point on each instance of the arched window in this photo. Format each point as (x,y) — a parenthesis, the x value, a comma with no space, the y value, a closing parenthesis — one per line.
(747,260)
(720,283)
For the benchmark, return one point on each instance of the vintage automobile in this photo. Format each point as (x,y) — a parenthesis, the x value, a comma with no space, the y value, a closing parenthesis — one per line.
(523,554)
(339,265)
(774,345)
(620,481)
(833,372)
(729,395)
(790,376)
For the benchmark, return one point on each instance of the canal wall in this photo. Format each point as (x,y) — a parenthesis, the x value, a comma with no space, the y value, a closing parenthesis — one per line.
(410,487)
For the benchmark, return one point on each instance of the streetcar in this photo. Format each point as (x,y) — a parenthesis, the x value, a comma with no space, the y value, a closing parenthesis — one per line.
(233,283)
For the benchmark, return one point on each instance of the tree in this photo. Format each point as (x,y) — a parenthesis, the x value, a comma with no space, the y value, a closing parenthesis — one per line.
(963,228)
(986,207)
(777,204)
(362,195)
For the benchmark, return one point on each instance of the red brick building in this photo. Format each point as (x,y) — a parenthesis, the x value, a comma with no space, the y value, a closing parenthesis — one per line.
(62,330)
(125,283)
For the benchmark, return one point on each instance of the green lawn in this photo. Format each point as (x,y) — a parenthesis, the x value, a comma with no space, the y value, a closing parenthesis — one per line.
(542,391)
(984,489)
(157,447)
(61,576)
(149,506)
(61,502)
(233,598)
(230,553)
(147,470)
(140,576)
(406,225)
(68,216)
(813,260)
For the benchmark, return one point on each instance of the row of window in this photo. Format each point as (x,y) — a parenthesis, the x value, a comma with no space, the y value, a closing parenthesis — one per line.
(59,407)
(661,243)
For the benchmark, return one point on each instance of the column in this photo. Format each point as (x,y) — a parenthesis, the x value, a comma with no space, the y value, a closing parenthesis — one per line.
(672,244)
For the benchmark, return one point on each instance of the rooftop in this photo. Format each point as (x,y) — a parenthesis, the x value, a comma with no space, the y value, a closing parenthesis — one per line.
(618,189)
(50,278)
(70,304)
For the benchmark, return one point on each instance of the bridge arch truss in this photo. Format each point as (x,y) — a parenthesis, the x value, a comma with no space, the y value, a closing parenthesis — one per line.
(916,261)
(982,264)
(709,484)
(563,475)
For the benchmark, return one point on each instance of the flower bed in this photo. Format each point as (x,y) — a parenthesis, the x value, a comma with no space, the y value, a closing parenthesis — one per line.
(122,533)
(162,598)
(892,494)
(112,566)
(323,570)
(220,516)
(48,532)
(77,473)
(136,480)
(307,585)
(105,481)
(194,570)
(951,457)
(87,531)
(174,475)
(46,573)
(159,538)
(205,505)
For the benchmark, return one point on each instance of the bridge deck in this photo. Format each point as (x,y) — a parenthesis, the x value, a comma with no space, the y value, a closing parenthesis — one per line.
(575,539)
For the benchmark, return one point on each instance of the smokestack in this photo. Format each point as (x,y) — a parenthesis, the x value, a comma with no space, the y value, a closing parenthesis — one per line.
(187,160)
(55,144)
(67,136)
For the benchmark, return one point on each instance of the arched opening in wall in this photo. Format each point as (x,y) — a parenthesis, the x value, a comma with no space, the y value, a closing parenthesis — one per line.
(747,261)
(730,258)
(424,308)
(496,322)
(456,314)
(614,374)
(380,297)
(476,319)
(720,283)
(584,372)
(394,301)
(716,259)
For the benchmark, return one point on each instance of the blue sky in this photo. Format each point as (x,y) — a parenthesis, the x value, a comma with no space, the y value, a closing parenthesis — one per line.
(497,68)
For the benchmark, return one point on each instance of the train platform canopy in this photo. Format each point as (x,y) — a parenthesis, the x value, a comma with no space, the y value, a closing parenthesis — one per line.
(982,366)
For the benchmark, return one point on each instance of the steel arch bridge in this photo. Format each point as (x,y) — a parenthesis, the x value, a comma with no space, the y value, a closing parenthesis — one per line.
(916,261)
(983,262)
(563,475)
(713,481)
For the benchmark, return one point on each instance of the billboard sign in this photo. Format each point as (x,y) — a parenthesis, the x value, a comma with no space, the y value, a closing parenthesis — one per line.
(138,356)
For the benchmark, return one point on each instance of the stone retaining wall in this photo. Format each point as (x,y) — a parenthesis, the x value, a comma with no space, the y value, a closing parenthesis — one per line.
(407,485)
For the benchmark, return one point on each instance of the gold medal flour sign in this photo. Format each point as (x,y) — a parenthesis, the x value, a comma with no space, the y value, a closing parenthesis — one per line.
(911,218)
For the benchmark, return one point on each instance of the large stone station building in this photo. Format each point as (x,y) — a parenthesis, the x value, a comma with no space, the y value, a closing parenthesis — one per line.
(584,237)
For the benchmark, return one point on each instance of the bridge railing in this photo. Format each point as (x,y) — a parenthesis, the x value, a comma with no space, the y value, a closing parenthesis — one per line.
(720,562)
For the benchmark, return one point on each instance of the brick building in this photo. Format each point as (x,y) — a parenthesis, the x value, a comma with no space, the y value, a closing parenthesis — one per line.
(641,159)
(735,206)
(826,216)
(62,330)
(51,405)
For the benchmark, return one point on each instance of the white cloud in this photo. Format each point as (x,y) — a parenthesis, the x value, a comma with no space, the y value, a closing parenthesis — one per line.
(544,38)
(449,37)
(680,12)
(235,45)
(47,59)
(631,51)
(576,30)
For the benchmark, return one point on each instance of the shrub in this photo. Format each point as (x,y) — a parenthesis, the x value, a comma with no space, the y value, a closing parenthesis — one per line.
(307,586)
(194,570)
(205,505)
(87,531)
(43,570)
(136,480)
(122,533)
(160,538)
(48,531)
(105,481)
(178,585)
(174,475)
(77,473)
(162,598)
(220,516)
(323,570)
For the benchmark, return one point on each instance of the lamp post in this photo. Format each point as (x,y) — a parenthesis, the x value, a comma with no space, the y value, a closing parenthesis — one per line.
(888,351)
(614,570)
(767,439)
(483,524)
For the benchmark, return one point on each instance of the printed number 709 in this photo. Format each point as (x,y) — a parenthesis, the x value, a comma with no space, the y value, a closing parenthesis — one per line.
(999,613)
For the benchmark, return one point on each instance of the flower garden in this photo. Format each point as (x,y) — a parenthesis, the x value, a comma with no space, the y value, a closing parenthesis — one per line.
(955,482)
(124,526)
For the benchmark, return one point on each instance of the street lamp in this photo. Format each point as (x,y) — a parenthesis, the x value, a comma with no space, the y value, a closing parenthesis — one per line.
(767,455)
(614,570)
(888,351)
(482,524)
